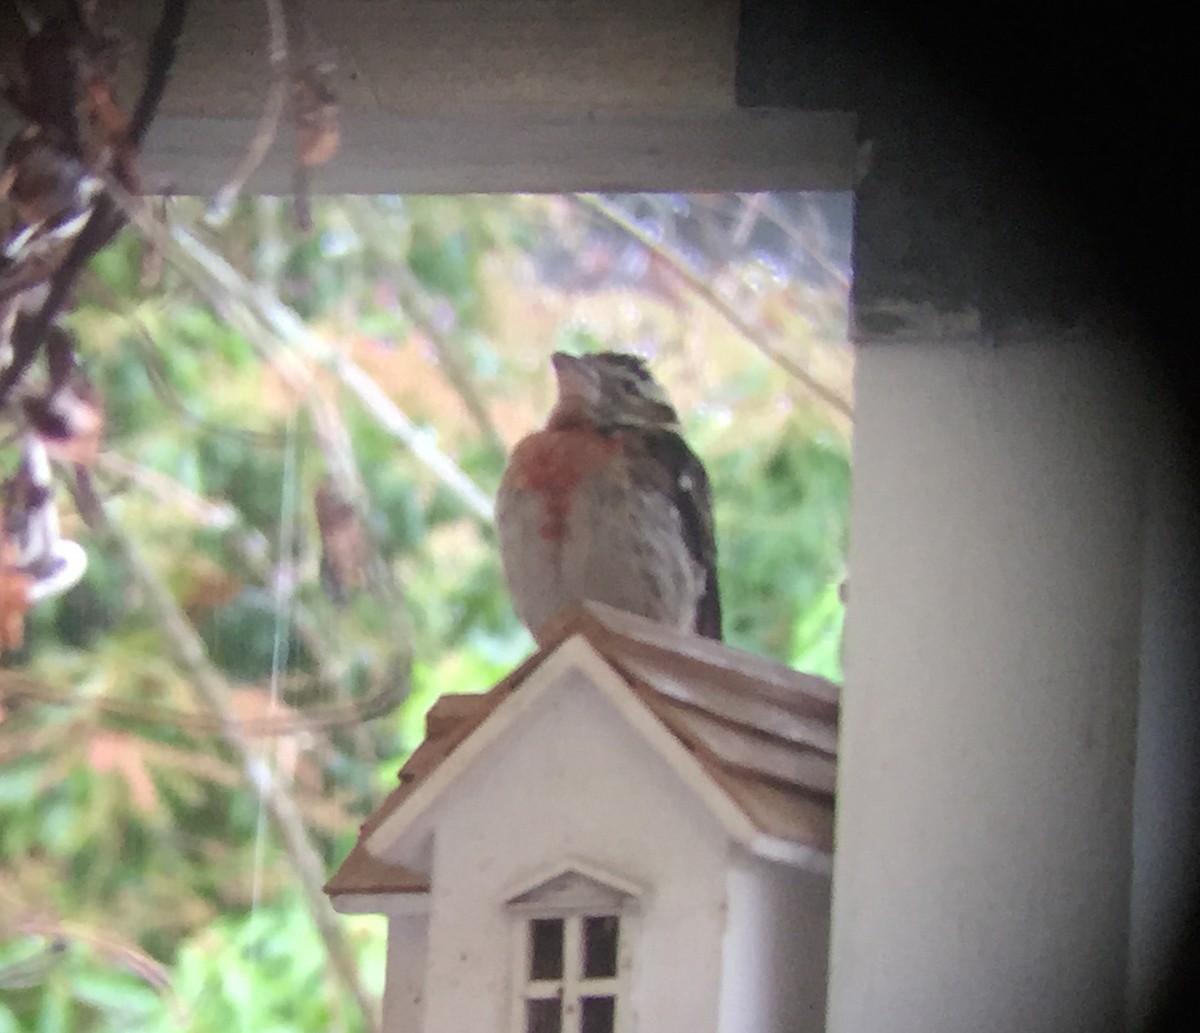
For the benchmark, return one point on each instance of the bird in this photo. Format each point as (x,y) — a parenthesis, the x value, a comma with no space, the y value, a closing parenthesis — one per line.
(607,502)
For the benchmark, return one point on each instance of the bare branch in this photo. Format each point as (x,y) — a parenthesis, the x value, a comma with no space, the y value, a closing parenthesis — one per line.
(215,515)
(105,219)
(113,948)
(458,372)
(391,686)
(15,685)
(159,61)
(268,124)
(419,307)
(158,376)
(770,210)
(704,290)
(266,321)
(116,949)
(188,652)
(101,226)
(313,112)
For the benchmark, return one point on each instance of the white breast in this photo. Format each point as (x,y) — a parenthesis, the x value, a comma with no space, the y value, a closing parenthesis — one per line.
(619,547)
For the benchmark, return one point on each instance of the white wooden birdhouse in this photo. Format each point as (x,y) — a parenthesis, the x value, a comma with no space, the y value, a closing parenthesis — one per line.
(632,831)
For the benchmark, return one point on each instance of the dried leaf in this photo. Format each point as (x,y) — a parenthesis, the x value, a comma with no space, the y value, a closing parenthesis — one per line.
(69,422)
(42,180)
(110,750)
(14,594)
(345,551)
(110,142)
(315,114)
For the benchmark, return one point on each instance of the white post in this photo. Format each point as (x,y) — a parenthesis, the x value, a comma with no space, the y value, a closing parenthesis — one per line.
(982,874)
(1166,826)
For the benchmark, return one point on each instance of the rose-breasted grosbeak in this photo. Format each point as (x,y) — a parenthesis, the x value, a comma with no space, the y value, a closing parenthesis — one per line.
(607,502)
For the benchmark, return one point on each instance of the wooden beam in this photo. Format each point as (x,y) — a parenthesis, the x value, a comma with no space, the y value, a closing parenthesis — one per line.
(734,150)
(462,96)
(425,58)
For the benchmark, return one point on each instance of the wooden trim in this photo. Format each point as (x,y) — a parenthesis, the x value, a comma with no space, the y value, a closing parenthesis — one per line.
(393,905)
(632,892)
(772,848)
(392,154)
(448,57)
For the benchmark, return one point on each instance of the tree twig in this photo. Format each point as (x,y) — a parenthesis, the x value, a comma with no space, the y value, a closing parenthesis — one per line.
(159,61)
(158,376)
(113,948)
(418,306)
(392,685)
(15,685)
(188,652)
(770,210)
(266,321)
(703,289)
(216,515)
(100,228)
(268,124)
(105,219)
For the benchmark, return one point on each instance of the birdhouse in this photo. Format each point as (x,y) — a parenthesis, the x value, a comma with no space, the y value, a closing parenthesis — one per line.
(632,831)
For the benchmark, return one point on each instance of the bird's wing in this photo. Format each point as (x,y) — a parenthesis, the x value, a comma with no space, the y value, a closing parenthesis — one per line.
(686,484)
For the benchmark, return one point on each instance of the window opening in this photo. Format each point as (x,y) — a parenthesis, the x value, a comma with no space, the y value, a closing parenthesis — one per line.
(546,948)
(571,974)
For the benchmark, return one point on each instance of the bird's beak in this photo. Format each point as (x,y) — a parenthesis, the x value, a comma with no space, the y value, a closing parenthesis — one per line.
(576,379)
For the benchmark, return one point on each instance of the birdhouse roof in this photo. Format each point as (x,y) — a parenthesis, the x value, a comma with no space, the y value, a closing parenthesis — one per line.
(758,739)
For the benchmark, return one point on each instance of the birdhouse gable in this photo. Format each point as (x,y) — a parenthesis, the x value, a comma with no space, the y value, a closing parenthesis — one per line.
(579,886)
(406,829)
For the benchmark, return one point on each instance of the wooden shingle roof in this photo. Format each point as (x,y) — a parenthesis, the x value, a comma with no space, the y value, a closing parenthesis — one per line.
(766,735)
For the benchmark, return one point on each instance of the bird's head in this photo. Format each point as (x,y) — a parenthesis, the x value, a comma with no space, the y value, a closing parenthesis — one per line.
(609,390)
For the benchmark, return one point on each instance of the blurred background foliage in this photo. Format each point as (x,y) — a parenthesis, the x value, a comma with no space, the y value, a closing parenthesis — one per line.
(139,884)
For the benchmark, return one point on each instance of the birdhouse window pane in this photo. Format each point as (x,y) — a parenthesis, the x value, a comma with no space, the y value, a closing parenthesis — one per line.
(600,946)
(546,948)
(568,972)
(544,1016)
(598,1014)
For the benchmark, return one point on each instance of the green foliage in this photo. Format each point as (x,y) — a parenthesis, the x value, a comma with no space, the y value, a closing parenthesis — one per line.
(93,608)
(71,992)
(266,970)
(263,970)
(242,635)
(782,526)
(817,636)
(248,478)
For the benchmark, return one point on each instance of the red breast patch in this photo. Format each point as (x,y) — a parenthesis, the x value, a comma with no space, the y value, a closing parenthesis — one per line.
(552,463)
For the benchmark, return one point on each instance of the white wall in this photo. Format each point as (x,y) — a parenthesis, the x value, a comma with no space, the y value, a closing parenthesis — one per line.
(1166,840)
(982,874)
(596,793)
(406,958)
(776,952)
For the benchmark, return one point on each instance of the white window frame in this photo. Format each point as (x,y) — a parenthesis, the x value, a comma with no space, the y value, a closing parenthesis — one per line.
(604,898)
(573,986)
